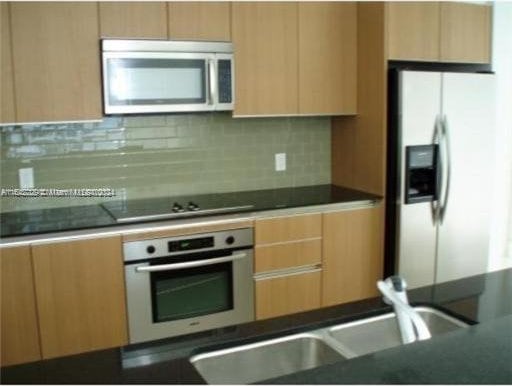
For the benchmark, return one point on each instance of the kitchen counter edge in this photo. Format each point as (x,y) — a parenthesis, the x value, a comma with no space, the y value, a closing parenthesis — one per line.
(124,229)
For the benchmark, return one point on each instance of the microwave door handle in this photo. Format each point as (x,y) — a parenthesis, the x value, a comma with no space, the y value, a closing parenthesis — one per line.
(190,264)
(212,87)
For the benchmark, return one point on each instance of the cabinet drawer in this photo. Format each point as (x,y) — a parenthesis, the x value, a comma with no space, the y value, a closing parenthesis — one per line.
(279,229)
(286,255)
(288,294)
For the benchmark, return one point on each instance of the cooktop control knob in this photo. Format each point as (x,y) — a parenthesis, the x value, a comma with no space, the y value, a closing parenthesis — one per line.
(192,206)
(230,240)
(177,208)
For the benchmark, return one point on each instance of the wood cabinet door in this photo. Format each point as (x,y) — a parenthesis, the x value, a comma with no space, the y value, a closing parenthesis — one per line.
(465,32)
(80,295)
(327,57)
(56,61)
(20,335)
(353,249)
(266,58)
(287,228)
(7,112)
(413,30)
(288,294)
(135,19)
(200,20)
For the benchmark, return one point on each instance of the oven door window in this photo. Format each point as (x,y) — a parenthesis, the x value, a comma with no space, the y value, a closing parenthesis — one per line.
(192,292)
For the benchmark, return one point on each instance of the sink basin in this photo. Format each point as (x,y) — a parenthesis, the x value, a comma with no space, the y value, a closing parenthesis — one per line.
(264,360)
(381,332)
(275,357)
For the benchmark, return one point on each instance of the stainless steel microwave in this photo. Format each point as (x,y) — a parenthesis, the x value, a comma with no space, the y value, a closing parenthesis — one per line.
(157,76)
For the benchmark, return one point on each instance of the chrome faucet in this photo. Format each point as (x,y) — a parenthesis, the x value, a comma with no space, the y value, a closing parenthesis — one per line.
(412,327)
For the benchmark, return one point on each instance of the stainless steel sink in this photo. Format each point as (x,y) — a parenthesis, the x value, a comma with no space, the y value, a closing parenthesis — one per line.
(381,332)
(264,360)
(275,357)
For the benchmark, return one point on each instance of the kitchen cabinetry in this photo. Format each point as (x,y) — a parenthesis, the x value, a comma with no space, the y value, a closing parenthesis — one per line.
(288,294)
(413,30)
(287,257)
(20,338)
(55,58)
(465,32)
(295,58)
(80,295)
(439,31)
(139,20)
(199,20)
(7,112)
(266,53)
(352,254)
(358,143)
(327,57)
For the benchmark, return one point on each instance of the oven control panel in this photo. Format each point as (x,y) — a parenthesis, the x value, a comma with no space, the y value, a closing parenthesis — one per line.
(173,246)
(191,244)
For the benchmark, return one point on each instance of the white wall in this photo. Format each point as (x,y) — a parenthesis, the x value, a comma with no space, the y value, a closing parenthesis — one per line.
(501,236)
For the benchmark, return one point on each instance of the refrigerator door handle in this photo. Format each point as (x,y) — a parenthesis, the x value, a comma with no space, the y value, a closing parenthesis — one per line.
(435,206)
(445,191)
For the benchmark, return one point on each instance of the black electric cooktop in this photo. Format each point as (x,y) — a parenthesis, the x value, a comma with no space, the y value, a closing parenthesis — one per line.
(221,203)
(167,208)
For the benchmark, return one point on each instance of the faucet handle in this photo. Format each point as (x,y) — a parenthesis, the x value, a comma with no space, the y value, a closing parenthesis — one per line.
(397,283)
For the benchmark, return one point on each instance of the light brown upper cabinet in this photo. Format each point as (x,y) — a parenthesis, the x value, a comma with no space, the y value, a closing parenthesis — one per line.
(295,58)
(20,337)
(439,31)
(80,296)
(266,58)
(7,112)
(465,32)
(327,58)
(56,61)
(199,20)
(413,30)
(139,20)
(352,254)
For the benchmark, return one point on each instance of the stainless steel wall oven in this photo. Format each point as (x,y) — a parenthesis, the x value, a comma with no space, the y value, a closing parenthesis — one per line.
(179,285)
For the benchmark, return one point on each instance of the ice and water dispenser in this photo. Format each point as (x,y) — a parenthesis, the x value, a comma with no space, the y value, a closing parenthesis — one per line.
(420,173)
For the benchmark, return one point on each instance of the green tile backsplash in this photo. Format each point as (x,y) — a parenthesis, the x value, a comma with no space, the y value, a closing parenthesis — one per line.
(152,156)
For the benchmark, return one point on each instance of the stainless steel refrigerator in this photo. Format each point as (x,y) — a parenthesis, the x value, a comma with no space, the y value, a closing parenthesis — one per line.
(440,175)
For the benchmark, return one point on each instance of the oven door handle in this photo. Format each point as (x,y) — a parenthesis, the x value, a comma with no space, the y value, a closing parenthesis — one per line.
(190,264)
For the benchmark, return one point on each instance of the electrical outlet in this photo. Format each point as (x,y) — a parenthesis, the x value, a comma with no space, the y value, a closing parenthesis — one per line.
(280,162)
(26,178)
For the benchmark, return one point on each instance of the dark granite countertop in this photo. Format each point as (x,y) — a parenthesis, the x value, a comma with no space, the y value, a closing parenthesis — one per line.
(43,221)
(474,355)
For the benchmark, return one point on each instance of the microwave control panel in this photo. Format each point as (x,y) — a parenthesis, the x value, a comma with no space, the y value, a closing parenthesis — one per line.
(224,76)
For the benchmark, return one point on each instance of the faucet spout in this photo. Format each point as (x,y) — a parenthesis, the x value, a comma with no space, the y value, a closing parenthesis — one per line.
(412,327)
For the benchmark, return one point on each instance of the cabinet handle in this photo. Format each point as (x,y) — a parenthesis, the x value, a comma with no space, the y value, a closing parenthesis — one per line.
(212,89)
(288,272)
(190,264)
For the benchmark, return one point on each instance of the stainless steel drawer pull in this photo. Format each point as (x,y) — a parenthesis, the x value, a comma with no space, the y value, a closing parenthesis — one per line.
(190,264)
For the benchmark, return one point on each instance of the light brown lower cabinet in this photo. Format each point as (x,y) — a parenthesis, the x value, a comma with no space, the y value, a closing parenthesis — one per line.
(80,294)
(287,294)
(353,254)
(20,338)
(286,255)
